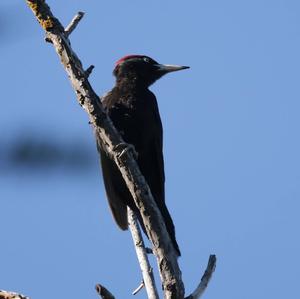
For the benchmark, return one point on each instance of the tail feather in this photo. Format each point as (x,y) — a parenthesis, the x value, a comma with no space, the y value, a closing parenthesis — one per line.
(168,223)
(170,227)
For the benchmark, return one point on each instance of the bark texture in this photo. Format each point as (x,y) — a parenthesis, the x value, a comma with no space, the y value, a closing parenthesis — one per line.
(114,145)
(148,278)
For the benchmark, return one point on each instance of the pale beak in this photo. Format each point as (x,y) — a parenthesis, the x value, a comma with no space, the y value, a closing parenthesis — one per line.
(167,68)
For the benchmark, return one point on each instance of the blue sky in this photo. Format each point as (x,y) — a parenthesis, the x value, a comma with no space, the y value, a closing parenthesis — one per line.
(231,127)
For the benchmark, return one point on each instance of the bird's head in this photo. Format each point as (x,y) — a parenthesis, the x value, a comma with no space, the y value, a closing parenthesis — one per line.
(143,69)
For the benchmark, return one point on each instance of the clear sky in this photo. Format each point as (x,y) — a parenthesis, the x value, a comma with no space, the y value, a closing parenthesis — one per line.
(231,127)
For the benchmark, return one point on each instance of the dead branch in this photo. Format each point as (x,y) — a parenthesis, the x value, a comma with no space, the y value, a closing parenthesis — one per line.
(211,266)
(166,257)
(75,21)
(11,295)
(115,146)
(103,292)
(138,288)
(148,278)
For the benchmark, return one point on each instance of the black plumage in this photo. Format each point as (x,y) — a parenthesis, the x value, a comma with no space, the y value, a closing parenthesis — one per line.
(134,112)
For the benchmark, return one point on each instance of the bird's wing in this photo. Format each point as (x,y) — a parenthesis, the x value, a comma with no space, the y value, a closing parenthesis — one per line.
(158,165)
(113,181)
(156,152)
(113,186)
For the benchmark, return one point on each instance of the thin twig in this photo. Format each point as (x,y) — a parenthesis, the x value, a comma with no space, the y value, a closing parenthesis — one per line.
(148,278)
(211,266)
(77,18)
(89,70)
(103,292)
(138,288)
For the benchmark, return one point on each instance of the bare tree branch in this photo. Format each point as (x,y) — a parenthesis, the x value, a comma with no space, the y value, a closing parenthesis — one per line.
(148,278)
(89,70)
(138,288)
(103,292)
(166,257)
(211,266)
(77,18)
(11,295)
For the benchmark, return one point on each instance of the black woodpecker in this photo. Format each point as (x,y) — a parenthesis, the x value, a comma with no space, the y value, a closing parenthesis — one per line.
(133,109)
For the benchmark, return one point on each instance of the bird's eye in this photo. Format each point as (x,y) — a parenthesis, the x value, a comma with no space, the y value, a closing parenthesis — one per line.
(146,59)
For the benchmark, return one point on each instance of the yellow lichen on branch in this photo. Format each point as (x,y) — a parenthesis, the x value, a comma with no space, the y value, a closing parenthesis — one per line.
(46,21)
(47,24)
(11,295)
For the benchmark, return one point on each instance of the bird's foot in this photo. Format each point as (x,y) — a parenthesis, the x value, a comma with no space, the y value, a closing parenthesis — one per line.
(124,147)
